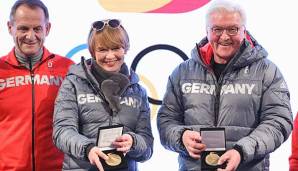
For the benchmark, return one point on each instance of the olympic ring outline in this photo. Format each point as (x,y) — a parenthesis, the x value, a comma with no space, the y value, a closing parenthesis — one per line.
(153,91)
(76,49)
(149,49)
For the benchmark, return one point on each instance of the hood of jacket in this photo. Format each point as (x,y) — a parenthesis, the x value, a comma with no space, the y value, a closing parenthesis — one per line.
(249,52)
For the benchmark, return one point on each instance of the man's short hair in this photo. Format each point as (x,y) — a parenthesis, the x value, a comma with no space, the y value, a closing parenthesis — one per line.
(30,3)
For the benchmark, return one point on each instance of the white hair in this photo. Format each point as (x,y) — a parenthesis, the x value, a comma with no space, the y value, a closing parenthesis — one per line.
(218,6)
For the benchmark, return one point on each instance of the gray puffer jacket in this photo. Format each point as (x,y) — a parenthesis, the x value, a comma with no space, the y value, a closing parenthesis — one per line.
(81,108)
(250,100)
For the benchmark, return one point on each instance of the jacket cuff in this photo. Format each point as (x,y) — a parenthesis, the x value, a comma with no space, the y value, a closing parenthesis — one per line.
(240,151)
(133,140)
(181,141)
(87,150)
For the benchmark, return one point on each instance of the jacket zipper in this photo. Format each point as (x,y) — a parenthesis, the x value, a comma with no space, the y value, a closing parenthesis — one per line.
(217,95)
(33,114)
(217,100)
(219,83)
(111,119)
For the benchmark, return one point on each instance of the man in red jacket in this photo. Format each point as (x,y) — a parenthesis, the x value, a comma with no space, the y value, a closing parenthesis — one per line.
(30,77)
(294,156)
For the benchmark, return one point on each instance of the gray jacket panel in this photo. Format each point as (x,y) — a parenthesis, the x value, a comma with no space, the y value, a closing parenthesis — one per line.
(80,109)
(250,100)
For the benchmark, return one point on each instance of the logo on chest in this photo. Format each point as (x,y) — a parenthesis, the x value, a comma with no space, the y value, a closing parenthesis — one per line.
(92,98)
(201,88)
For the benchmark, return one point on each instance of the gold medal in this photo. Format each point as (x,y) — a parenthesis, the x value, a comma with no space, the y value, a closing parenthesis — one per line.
(113,160)
(212,159)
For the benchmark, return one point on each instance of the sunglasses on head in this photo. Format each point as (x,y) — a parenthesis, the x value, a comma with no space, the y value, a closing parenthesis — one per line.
(99,25)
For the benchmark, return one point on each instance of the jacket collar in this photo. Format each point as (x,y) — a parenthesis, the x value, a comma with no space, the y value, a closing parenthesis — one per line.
(12,60)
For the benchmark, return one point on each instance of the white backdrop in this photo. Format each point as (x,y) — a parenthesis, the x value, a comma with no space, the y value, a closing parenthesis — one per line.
(272,23)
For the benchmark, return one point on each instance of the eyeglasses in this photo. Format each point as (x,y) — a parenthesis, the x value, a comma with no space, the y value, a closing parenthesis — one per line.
(231,31)
(99,25)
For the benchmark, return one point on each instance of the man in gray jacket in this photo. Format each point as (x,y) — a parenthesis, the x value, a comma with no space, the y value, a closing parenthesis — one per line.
(228,83)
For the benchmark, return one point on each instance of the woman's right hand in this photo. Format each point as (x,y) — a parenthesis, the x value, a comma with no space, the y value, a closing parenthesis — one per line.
(94,155)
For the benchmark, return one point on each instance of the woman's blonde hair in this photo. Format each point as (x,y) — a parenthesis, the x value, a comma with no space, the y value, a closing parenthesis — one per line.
(108,38)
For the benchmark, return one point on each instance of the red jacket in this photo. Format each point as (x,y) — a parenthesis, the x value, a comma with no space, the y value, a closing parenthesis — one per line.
(26,113)
(294,156)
